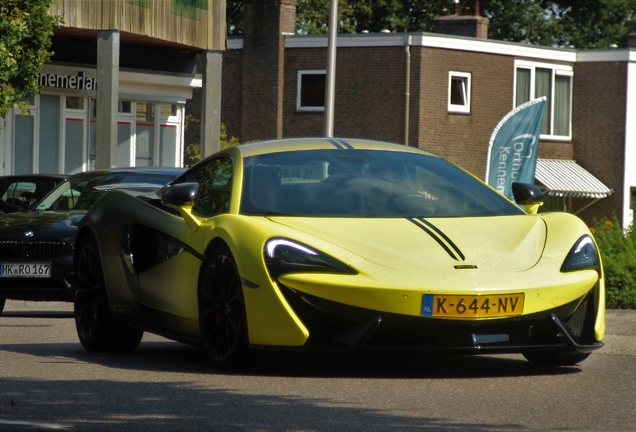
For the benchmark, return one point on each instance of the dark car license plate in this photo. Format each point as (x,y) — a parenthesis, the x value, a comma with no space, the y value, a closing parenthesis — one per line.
(33,270)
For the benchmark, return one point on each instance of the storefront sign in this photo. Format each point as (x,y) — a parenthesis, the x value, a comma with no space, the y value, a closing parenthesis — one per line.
(75,82)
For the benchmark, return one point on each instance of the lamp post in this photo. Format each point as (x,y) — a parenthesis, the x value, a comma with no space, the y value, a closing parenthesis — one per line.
(330,84)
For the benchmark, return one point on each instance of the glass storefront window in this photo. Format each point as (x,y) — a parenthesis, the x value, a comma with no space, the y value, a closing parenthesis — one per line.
(125,107)
(49,148)
(29,100)
(93,109)
(74,146)
(144,147)
(167,110)
(168,145)
(74,102)
(58,134)
(24,143)
(145,111)
(124,132)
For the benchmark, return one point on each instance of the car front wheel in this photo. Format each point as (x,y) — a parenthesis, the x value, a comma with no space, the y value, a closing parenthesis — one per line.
(222,320)
(92,317)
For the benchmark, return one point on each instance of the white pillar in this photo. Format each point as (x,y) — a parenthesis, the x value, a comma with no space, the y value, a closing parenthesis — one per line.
(211,103)
(107,99)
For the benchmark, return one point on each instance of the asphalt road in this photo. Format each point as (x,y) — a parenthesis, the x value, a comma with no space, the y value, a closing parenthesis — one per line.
(47,381)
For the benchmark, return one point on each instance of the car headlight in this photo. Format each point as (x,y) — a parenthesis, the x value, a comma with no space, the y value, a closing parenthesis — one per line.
(583,255)
(70,241)
(287,256)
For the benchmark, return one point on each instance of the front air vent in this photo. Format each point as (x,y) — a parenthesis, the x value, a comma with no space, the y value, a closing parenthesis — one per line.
(44,248)
(11,248)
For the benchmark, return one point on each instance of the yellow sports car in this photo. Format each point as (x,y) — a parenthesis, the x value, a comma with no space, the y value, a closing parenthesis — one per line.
(337,244)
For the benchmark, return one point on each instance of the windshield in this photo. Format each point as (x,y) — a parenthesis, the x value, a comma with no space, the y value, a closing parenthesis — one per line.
(80,192)
(365,183)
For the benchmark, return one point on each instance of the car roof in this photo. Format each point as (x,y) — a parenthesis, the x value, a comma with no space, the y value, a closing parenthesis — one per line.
(170,171)
(35,177)
(298,144)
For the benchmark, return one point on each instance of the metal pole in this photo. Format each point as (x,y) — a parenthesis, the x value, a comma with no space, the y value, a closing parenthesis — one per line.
(330,84)
(407,93)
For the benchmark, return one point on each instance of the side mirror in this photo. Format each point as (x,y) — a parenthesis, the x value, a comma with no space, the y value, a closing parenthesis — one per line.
(182,194)
(528,196)
(182,197)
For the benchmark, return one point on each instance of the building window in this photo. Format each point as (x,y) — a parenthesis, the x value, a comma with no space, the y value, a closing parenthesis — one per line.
(459,92)
(311,90)
(167,110)
(124,107)
(534,80)
(75,103)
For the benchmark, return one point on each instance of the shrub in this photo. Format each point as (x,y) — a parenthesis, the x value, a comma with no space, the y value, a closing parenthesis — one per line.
(193,150)
(618,252)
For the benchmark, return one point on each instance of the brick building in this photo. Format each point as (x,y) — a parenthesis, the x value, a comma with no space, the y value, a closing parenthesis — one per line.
(460,87)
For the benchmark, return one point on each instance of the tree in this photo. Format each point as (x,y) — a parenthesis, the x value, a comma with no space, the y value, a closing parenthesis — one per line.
(234,16)
(578,23)
(26,29)
(510,20)
(596,23)
(522,21)
(585,24)
(372,15)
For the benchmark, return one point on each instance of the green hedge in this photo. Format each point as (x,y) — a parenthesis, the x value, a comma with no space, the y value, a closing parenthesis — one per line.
(618,252)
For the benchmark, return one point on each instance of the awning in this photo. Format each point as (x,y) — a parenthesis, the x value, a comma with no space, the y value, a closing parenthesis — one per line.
(566,178)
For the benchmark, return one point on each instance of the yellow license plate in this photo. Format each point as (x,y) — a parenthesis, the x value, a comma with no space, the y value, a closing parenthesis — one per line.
(472,306)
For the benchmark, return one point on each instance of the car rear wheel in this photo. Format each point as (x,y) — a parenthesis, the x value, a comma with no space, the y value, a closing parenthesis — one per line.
(222,320)
(555,358)
(92,318)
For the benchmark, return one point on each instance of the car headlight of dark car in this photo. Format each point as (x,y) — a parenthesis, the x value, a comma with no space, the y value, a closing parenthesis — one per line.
(287,256)
(70,242)
(583,255)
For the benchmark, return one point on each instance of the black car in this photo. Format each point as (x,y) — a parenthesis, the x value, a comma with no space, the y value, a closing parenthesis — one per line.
(17,191)
(36,246)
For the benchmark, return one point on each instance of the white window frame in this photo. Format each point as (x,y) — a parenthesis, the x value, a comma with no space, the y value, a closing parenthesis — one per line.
(299,90)
(466,80)
(557,70)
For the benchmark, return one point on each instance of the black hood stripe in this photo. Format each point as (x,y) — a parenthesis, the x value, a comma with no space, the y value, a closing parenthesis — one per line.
(436,238)
(444,236)
(346,144)
(340,144)
(335,143)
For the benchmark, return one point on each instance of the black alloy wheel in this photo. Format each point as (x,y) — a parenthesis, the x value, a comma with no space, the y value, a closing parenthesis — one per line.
(553,358)
(92,317)
(222,319)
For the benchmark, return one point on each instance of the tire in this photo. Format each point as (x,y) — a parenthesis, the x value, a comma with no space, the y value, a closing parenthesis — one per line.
(95,329)
(222,317)
(551,358)
(2,302)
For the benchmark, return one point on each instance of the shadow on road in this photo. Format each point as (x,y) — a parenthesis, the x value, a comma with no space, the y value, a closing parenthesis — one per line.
(205,400)
(140,406)
(175,357)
